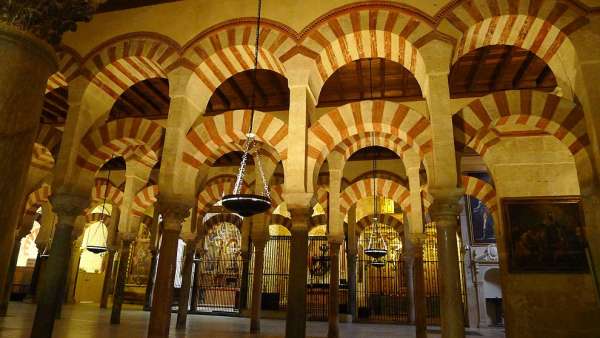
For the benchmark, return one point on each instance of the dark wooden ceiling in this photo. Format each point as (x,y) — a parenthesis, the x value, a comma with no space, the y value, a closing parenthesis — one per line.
(499,67)
(372,153)
(366,79)
(117,5)
(148,99)
(233,158)
(477,73)
(56,105)
(271,92)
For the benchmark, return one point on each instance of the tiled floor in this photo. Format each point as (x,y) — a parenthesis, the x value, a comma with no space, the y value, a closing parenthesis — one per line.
(88,321)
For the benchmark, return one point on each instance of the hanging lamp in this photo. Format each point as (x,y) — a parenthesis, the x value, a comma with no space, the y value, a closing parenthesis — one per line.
(377,247)
(247,205)
(100,249)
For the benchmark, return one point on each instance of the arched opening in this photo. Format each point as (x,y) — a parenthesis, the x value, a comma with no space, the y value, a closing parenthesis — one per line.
(56,106)
(499,67)
(147,99)
(370,79)
(270,90)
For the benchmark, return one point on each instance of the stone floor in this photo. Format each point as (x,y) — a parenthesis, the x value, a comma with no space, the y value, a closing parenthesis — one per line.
(88,321)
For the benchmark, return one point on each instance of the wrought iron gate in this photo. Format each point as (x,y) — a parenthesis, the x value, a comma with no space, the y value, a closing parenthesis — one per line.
(275,274)
(220,271)
(381,292)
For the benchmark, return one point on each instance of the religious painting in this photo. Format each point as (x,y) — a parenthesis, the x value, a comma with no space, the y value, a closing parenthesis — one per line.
(545,234)
(481,221)
(141,258)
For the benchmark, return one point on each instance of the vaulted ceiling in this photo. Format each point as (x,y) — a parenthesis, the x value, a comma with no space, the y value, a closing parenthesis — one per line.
(116,5)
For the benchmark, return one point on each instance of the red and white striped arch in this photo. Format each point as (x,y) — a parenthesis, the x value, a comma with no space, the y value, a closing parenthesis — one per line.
(539,26)
(213,193)
(372,32)
(383,188)
(49,137)
(145,198)
(121,62)
(104,189)
(355,120)
(217,135)
(69,63)
(228,49)
(482,191)
(384,219)
(124,137)
(223,218)
(41,158)
(36,198)
(475,124)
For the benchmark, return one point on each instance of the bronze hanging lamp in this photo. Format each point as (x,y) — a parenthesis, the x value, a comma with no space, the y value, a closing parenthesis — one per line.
(101,248)
(250,204)
(377,247)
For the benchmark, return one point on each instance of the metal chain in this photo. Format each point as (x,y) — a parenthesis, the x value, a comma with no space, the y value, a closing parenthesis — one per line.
(259,167)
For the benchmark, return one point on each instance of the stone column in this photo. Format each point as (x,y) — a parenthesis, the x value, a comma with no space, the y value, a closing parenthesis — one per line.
(194,295)
(408,259)
(418,282)
(110,258)
(162,298)
(124,252)
(73,271)
(7,290)
(67,207)
(352,256)
(295,324)
(184,296)
(154,235)
(334,286)
(24,45)
(444,213)
(257,283)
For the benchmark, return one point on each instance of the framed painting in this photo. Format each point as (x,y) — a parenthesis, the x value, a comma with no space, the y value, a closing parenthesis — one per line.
(545,234)
(481,222)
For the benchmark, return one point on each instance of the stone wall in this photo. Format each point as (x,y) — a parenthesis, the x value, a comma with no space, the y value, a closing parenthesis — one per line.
(541,304)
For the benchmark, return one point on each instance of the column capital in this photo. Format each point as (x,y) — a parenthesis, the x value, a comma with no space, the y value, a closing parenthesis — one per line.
(297,200)
(68,205)
(337,239)
(445,202)
(47,19)
(173,214)
(127,236)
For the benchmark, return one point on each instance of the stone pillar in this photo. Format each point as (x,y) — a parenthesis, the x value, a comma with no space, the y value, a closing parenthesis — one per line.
(67,207)
(444,213)
(194,295)
(151,278)
(295,324)
(7,290)
(334,286)
(257,283)
(154,235)
(24,45)
(184,297)
(124,252)
(73,271)
(408,258)
(162,298)
(352,256)
(418,282)
(110,258)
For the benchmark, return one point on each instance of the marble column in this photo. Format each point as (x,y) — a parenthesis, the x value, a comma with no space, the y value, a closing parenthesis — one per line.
(151,278)
(295,324)
(418,282)
(162,298)
(184,296)
(334,286)
(444,213)
(7,289)
(124,252)
(110,258)
(408,258)
(246,257)
(194,295)
(257,283)
(352,257)
(25,42)
(154,235)
(67,207)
